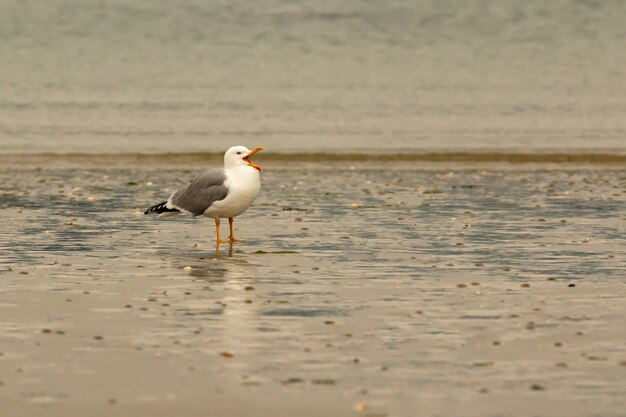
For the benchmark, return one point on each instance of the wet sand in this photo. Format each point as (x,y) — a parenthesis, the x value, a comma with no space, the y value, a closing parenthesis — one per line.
(363,289)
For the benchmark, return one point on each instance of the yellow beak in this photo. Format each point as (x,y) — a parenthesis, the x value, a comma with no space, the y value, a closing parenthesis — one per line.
(252,152)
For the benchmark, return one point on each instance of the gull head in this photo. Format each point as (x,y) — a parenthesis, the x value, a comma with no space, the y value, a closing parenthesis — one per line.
(240,156)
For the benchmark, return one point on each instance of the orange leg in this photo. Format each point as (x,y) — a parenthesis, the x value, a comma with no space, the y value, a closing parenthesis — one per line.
(217,230)
(231,238)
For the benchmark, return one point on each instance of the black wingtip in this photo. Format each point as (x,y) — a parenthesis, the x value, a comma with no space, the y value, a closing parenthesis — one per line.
(161,208)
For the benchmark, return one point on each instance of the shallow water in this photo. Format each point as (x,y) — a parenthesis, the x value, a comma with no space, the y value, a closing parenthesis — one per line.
(333,76)
(465,291)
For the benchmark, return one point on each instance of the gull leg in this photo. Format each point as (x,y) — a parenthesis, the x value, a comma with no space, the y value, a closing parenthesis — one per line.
(217,230)
(231,238)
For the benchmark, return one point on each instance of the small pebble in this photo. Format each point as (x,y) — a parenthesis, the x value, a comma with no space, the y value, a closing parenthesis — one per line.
(360,406)
(571,285)
(526,285)
(227,354)
(294,380)
(323,381)
(596,358)
(187,269)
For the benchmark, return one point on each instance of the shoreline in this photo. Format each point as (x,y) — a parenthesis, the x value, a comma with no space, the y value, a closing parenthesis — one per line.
(34,160)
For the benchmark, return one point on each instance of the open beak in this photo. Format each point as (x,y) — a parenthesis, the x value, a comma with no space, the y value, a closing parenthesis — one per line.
(252,152)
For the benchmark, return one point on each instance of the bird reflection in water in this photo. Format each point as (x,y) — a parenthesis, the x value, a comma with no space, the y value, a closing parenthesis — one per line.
(213,269)
(230,249)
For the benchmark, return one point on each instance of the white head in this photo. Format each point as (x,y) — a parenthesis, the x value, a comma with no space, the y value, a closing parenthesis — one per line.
(240,156)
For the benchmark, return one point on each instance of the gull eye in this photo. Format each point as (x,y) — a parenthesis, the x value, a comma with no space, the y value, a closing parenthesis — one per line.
(238,153)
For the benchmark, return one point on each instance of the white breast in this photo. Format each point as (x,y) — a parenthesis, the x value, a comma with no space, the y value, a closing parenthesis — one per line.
(243,185)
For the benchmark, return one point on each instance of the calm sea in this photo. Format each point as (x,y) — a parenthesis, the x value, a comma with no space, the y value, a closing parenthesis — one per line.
(313,76)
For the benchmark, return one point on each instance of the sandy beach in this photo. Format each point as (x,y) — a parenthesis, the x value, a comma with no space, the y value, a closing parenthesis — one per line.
(360,291)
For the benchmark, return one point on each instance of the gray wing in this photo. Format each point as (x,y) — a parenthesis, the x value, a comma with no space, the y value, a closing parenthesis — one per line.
(200,193)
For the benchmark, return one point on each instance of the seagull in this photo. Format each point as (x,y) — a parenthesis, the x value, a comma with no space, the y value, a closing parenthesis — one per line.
(218,193)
